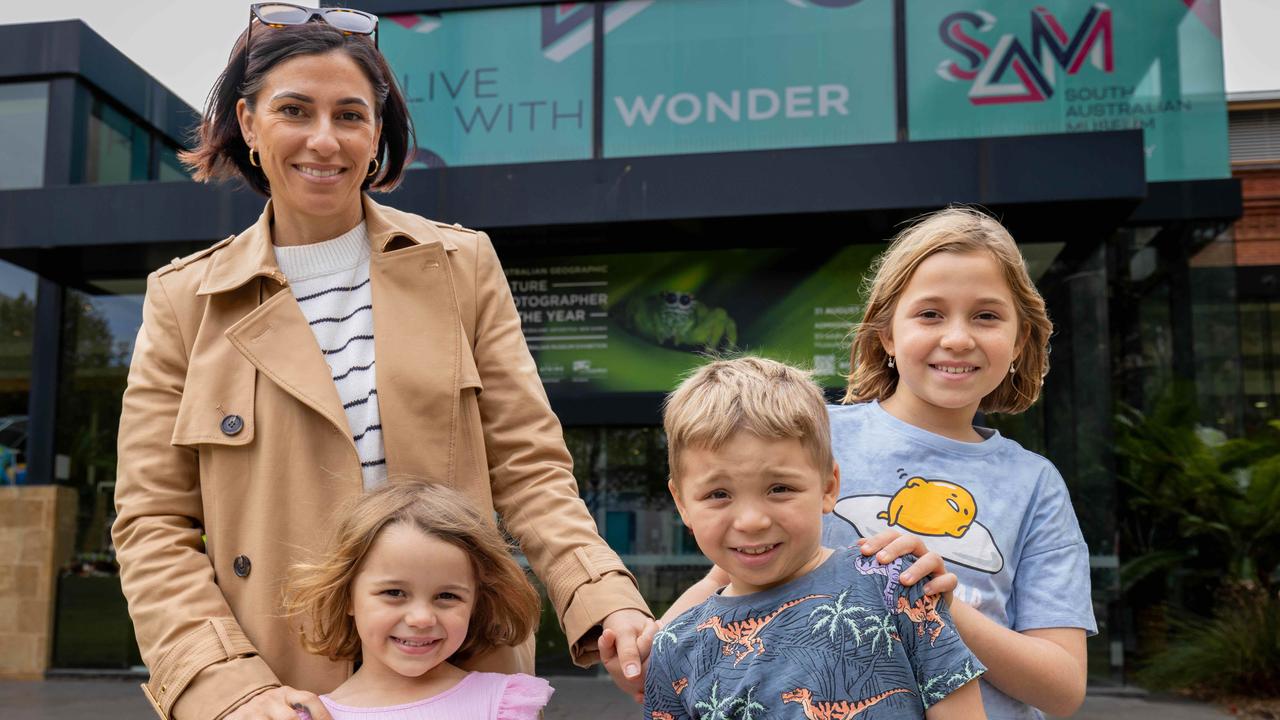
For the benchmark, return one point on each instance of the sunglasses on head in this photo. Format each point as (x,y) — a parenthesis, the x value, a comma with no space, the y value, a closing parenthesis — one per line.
(278,15)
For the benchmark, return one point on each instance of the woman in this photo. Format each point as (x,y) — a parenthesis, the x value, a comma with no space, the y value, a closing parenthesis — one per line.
(333,344)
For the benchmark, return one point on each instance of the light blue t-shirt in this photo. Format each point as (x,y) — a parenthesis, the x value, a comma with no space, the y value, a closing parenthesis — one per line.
(999,514)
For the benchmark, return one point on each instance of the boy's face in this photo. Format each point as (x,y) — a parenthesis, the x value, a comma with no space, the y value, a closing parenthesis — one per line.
(755,506)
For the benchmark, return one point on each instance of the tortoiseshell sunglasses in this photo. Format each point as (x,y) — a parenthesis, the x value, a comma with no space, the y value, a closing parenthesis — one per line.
(277,15)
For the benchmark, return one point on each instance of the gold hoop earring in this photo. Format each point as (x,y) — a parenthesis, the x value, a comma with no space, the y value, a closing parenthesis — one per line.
(891,361)
(374,171)
(252,161)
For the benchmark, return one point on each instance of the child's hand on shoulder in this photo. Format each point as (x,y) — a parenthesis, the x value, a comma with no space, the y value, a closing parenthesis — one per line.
(891,545)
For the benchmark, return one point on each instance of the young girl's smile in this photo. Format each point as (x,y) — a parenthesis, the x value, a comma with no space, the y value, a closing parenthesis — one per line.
(412,601)
(953,337)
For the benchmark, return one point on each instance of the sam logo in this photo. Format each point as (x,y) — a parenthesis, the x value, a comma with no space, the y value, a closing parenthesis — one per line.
(1012,73)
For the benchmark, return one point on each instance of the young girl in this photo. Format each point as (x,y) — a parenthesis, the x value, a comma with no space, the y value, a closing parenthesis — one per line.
(953,326)
(414,581)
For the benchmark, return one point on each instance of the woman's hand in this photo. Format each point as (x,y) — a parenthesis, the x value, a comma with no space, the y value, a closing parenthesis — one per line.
(624,649)
(891,544)
(282,703)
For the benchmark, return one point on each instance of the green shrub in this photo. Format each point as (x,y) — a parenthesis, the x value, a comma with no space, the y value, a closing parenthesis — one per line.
(1201,542)
(1235,652)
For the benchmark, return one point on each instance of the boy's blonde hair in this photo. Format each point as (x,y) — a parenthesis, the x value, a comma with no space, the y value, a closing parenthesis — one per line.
(763,397)
(954,230)
(506,605)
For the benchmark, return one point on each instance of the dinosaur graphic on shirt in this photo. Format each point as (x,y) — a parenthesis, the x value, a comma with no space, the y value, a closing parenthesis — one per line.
(871,566)
(834,709)
(923,613)
(745,633)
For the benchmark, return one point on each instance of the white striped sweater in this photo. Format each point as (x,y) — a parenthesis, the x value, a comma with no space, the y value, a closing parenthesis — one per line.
(330,281)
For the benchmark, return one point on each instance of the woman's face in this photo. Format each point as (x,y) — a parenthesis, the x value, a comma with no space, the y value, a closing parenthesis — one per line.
(315,130)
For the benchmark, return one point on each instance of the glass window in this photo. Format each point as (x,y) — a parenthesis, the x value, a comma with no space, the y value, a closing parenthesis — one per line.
(1260,358)
(168,167)
(24,110)
(622,477)
(99,327)
(17,323)
(118,149)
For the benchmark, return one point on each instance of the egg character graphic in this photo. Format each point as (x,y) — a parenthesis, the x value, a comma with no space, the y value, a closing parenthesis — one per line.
(931,507)
(943,511)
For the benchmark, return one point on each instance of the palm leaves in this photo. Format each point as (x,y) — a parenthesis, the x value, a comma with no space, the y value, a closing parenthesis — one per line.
(716,707)
(939,686)
(750,706)
(839,619)
(836,617)
(882,627)
(730,708)
(665,634)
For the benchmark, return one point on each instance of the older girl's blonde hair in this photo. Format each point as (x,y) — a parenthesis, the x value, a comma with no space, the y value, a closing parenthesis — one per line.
(953,230)
(319,593)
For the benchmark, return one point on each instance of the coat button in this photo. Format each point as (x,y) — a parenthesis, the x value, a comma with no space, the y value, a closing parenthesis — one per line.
(242,566)
(232,425)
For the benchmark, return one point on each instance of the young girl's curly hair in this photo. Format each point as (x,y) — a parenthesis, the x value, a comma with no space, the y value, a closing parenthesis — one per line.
(319,593)
(953,230)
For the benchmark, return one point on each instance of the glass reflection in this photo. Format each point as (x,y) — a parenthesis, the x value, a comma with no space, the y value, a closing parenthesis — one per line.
(99,326)
(24,110)
(17,325)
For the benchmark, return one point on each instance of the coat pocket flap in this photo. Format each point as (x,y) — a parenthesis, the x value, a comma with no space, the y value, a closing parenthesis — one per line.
(217,401)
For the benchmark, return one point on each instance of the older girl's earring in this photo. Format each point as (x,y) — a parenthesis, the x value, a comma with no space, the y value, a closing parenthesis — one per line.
(1012,368)
(891,361)
(252,160)
(374,170)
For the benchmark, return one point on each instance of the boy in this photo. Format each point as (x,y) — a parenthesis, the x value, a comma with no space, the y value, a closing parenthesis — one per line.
(801,630)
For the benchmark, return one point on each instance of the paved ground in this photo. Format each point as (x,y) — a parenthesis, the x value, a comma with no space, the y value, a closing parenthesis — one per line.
(575,698)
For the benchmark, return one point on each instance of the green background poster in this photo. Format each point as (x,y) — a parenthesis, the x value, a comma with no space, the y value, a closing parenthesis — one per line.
(1009,67)
(492,86)
(637,322)
(721,75)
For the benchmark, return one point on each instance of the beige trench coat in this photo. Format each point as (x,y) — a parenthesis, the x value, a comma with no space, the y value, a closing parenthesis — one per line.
(461,403)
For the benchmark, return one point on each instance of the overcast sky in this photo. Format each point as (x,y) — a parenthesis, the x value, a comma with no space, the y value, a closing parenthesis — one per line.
(184,43)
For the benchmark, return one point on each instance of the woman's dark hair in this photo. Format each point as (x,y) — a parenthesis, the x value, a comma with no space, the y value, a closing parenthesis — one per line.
(221,152)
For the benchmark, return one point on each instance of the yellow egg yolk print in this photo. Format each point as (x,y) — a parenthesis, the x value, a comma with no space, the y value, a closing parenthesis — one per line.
(931,507)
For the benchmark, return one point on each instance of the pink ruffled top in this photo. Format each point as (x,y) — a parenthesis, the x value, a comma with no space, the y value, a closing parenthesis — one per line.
(479,696)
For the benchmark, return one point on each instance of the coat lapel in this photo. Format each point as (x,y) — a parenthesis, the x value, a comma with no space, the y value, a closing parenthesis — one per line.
(276,338)
(417,336)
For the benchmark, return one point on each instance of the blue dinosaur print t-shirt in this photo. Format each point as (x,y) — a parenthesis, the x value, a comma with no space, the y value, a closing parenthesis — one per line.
(847,639)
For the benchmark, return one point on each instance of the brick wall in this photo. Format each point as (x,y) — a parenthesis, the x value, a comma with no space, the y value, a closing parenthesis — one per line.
(1257,232)
(37,537)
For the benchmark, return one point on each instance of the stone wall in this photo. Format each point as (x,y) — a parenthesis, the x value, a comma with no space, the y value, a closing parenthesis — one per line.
(37,537)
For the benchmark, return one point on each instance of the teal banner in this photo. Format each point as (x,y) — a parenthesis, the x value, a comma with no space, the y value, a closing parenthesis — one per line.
(685,76)
(638,322)
(1009,67)
(495,86)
